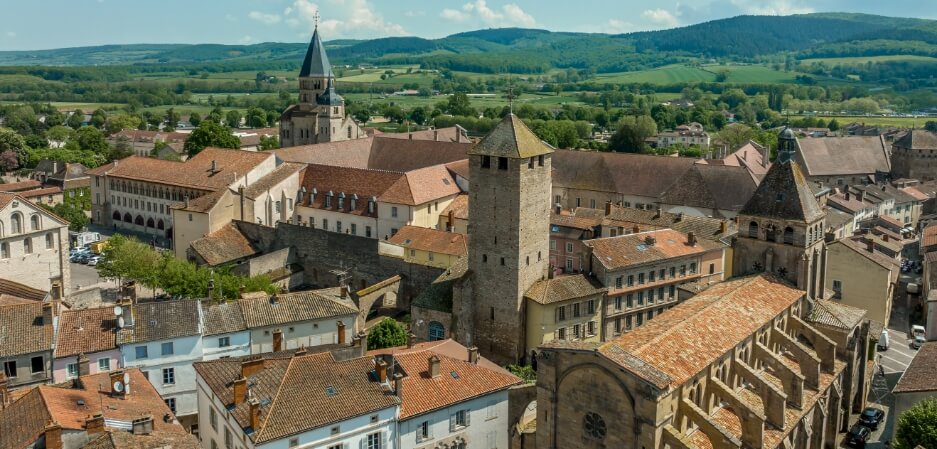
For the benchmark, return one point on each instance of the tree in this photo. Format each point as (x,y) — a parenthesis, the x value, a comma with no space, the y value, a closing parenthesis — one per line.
(631,133)
(736,135)
(833,125)
(210,134)
(418,115)
(8,161)
(195,118)
(233,118)
(256,118)
(172,118)
(931,126)
(120,122)
(917,426)
(76,119)
(459,104)
(387,334)
(525,372)
(122,148)
(11,141)
(60,133)
(98,118)
(92,139)
(269,142)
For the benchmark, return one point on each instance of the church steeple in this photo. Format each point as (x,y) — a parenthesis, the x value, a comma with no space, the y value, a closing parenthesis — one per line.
(316,63)
(787,145)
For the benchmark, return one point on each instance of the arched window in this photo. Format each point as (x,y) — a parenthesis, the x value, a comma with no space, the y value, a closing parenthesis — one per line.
(436,331)
(128,218)
(159,224)
(788,235)
(16,223)
(138,221)
(753,230)
(35,222)
(150,223)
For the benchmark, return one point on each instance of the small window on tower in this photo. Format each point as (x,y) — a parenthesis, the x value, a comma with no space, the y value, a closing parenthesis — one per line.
(486,161)
(530,164)
(502,163)
(540,160)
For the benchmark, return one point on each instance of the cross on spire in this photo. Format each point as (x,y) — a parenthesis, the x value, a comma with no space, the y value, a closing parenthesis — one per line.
(316,18)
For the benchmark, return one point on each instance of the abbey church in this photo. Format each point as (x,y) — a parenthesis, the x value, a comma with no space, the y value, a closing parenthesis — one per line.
(319,117)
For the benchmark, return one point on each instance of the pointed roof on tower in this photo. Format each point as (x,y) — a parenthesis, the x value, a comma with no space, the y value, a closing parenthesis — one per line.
(330,97)
(316,62)
(784,192)
(511,138)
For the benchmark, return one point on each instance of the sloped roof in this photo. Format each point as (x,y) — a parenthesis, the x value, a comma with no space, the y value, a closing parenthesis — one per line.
(830,156)
(330,97)
(919,375)
(634,174)
(784,194)
(163,320)
(633,249)
(860,248)
(918,139)
(13,288)
(432,240)
(703,227)
(316,63)
(563,288)
(836,314)
(270,180)
(403,155)
(23,330)
(293,308)
(344,153)
(85,331)
(224,245)
(511,138)
(458,207)
(222,317)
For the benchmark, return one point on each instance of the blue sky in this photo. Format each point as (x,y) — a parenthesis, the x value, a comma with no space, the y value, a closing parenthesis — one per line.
(38,24)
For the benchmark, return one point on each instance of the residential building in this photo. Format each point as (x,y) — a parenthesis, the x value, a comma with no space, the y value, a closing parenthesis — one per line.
(320,114)
(917,383)
(65,175)
(567,234)
(911,155)
(751,155)
(143,142)
(564,308)
(296,400)
(849,328)
(33,244)
(782,227)
(454,218)
(724,369)
(270,199)
(85,343)
(684,135)
(425,246)
(225,333)
(163,339)
(860,276)
(299,319)
(94,411)
(840,161)
(27,330)
(642,272)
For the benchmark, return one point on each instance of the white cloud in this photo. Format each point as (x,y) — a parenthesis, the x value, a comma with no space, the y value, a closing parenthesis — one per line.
(11,34)
(414,13)
(661,17)
(772,7)
(615,26)
(352,18)
(508,15)
(264,18)
(247,39)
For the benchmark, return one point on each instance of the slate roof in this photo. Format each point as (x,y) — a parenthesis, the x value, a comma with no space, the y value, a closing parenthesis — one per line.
(316,63)
(688,338)
(330,97)
(13,288)
(404,155)
(222,317)
(23,330)
(85,331)
(432,240)
(162,320)
(292,308)
(836,314)
(294,392)
(632,249)
(270,180)
(919,375)
(224,245)
(918,139)
(511,138)
(345,153)
(784,194)
(564,288)
(636,174)
(831,156)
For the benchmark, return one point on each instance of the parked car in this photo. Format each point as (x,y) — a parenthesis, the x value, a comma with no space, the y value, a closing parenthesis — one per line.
(917,341)
(883,341)
(93,260)
(858,435)
(871,417)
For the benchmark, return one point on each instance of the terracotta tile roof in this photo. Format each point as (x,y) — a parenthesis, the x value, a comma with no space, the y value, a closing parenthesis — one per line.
(20,186)
(23,331)
(919,375)
(12,288)
(851,205)
(703,227)
(193,173)
(224,245)
(222,318)
(161,320)
(23,421)
(585,223)
(427,184)
(831,156)
(682,341)
(270,180)
(511,138)
(633,249)
(406,155)
(295,394)
(41,192)
(836,314)
(929,236)
(350,181)
(860,248)
(458,381)
(458,207)
(169,440)
(784,194)
(293,308)
(749,155)
(203,203)
(564,288)
(460,168)
(86,331)
(432,240)
(915,193)
(345,153)
(135,135)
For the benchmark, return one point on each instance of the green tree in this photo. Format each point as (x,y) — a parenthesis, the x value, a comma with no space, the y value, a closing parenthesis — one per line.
(195,118)
(631,133)
(172,119)
(525,372)
(256,118)
(60,133)
(459,104)
(210,134)
(91,139)
(122,148)
(233,118)
(120,122)
(12,142)
(930,126)
(387,334)
(76,119)
(833,125)
(736,135)
(98,118)
(918,426)
(269,142)
(418,115)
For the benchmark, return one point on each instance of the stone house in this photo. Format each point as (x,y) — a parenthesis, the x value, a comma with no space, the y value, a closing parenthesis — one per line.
(27,330)
(861,277)
(567,307)
(86,343)
(33,244)
(425,246)
(917,383)
(299,319)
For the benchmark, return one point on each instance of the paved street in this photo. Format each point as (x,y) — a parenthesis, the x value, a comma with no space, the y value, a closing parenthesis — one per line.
(899,354)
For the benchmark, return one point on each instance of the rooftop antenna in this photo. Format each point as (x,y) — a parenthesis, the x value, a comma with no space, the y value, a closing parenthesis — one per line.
(510,94)
(343,274)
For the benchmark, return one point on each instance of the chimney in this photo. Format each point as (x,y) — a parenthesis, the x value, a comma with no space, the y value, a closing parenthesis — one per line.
(458,134)
(551,272)
(240,390)
(341,332)
(410,136)
(56,291)
(870,245)
(846,195)
(300,351)
(214,166)
(251,367)
(410,337)
(608,208)
(558,208)
(398,385)
(650,240)
(433,366)
(381,370)
(84,365)
(241,291)
(435,135)
(53,436)
(635,229)
(115,377)
(94,424)
(679,217)
(691,239)
(364,343)
(344,291)
(254,414)
(860,194)
(47,313)
(723,227)
(660,212)
(473,354)
(885,237)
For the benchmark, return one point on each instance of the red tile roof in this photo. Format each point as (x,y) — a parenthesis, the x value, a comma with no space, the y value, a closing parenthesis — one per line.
(458,207)
(20,186)
(432,240)
(929,237)
(23,330)
(634,249)
(919,376)
(86,331)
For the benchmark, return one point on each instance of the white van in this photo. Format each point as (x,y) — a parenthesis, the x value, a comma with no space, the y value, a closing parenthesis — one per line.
(883,341)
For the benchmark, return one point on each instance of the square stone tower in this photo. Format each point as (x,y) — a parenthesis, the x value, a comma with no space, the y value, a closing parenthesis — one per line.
(509,228)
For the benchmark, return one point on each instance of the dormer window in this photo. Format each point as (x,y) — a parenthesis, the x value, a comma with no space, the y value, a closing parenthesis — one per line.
(354,202)
(300,194)
(341,201)
(312,197)
(328,200)
(371,202)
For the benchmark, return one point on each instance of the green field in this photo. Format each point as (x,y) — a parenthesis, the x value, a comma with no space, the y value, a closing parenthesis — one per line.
(867,59)
(672,74)
(752,74)
(477,102)
(871,120)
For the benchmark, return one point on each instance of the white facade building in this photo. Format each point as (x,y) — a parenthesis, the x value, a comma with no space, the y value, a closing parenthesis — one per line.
(33,244)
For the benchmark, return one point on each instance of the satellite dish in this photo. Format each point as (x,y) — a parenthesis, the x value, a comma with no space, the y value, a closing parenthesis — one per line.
(120,322)
(119,386)
(118,311)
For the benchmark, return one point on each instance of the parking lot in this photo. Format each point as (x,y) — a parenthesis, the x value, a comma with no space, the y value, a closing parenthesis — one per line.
(899,353)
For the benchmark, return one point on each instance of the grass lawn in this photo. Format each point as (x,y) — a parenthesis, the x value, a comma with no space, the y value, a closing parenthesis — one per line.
(755,74)
(672,74)
(866,59)
(901,122)
(478,103)
(71,106)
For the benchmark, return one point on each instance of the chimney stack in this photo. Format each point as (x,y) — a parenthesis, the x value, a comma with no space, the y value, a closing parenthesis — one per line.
(660,212)
(118,376)
(214,166)
(94,424)
(691,239)
(846,195)
(240,391)
(552,272)
(766,154)
(435,135)
(251,367)
(398,385)
(473,354)
(344,291)
(433,366)
(56,291)
(679,217)
(341,332)
(254,414)
(410,136)
(723,227)
(53,436)
(84,365)
(635,229)
(608,208)
(47,313)
(558,208)
(870,245)
(650,240)
(364,343)
(410,339)
(381,370)
(885,237)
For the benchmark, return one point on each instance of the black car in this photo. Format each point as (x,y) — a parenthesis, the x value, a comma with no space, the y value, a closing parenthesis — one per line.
(858,435)
(871,417)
